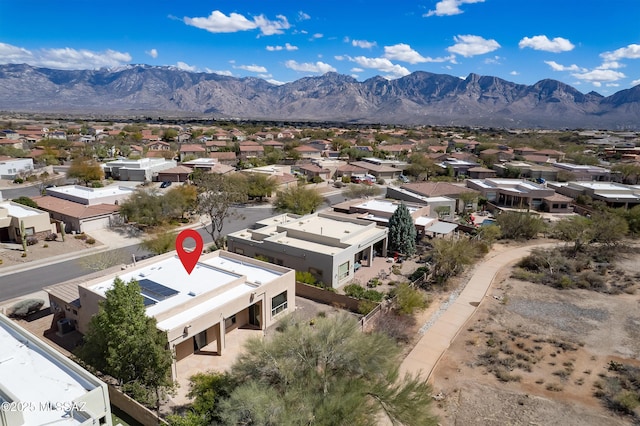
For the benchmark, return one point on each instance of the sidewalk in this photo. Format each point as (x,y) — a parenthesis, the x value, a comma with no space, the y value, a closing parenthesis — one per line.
(438,337)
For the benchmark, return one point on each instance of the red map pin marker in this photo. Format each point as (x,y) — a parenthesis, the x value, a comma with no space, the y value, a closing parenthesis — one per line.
(189,259)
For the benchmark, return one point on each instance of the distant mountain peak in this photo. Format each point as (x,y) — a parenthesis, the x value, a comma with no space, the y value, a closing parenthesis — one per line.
(418,98)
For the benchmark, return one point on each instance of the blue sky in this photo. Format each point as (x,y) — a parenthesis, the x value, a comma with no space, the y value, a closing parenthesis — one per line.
(589,44)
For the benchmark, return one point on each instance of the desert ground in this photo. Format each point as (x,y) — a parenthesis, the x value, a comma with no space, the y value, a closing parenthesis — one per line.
(534,355)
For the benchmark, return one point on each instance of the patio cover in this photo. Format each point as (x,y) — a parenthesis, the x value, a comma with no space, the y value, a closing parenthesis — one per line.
(442,228)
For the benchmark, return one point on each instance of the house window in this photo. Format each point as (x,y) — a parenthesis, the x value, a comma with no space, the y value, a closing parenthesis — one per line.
(229,322)
(29,231)
(278,303)
(239,250)
(343,270)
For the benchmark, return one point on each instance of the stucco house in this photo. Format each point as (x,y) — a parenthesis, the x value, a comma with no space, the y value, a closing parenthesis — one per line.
(328,246)
(36,222)
(201,312)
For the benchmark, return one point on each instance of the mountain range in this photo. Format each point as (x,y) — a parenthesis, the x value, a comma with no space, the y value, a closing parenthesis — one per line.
(420,98)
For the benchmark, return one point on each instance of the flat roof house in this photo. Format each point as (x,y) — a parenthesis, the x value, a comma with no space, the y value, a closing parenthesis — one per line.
(112,194)
(325,245)
(10,168)
(613,194)
(518,193)
(144,169)
(49,387)
(225,291)
(36,222)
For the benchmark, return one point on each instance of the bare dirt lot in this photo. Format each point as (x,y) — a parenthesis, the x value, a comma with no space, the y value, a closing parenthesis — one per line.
(532,354)
(11,254)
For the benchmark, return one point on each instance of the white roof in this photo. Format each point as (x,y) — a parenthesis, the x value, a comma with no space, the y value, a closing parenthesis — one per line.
(90,193)
(209,274)
(383,206)
(442,228)
(18,210)
(424,220)
(31,373)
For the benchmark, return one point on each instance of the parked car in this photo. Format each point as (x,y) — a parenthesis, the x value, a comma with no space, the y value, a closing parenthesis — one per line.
(403,179)
(165,184)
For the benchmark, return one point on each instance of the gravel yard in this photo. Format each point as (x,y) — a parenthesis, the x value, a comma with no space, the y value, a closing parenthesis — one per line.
(532,354)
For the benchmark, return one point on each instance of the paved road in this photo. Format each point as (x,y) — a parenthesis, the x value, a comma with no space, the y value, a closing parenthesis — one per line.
(30,281)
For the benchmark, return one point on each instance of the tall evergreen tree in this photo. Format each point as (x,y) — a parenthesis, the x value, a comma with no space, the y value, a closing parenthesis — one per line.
(123,342)
(402,231)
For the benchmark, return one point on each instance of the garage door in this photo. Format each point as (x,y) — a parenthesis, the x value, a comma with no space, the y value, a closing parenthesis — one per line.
(95,224)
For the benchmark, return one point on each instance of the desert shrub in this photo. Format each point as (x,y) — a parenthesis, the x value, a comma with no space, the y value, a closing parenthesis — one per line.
(591,280)
(419,273)
(26,307)
(18,180)
(51,237)
(397,327)
(90,240)
(409,299)
(366,306)
(354,290)
(305,277)
(32,241)
(82,236)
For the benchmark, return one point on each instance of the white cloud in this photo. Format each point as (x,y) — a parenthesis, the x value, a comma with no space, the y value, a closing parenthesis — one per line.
(450,7)
(494,61)
(317,35)
(632,51)
(612,85)
(303,16)
(514,72)
(318,67)
(252,68)
(356,69)
(220,72)
(286,46)
(404,52)
(635,82)
(272,27)
(472,45)
(363,44)
(14,54)
(613,65)
(64,58)
(542,42)
(218,22)
(381,64)
(186,67)
(153,53)
(597,77)
(558,67)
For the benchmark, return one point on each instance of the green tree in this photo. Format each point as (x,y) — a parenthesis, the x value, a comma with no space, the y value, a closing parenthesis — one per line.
(402,231)
(144,208)
(629,172)
(169,134)
(123,342)
(86,170)
(326,373)
(421,166)
(608,227)
(26,201)
(217,196)
(489,234)
(260,185)
(298,200)
(520,225)
(575,229)
(450,257)
(409,300)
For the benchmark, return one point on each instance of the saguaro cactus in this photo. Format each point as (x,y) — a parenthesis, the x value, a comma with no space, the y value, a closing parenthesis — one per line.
(23,237)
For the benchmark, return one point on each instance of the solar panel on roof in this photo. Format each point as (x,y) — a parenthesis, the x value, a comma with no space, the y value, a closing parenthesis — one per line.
(147,301)
(155,290)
